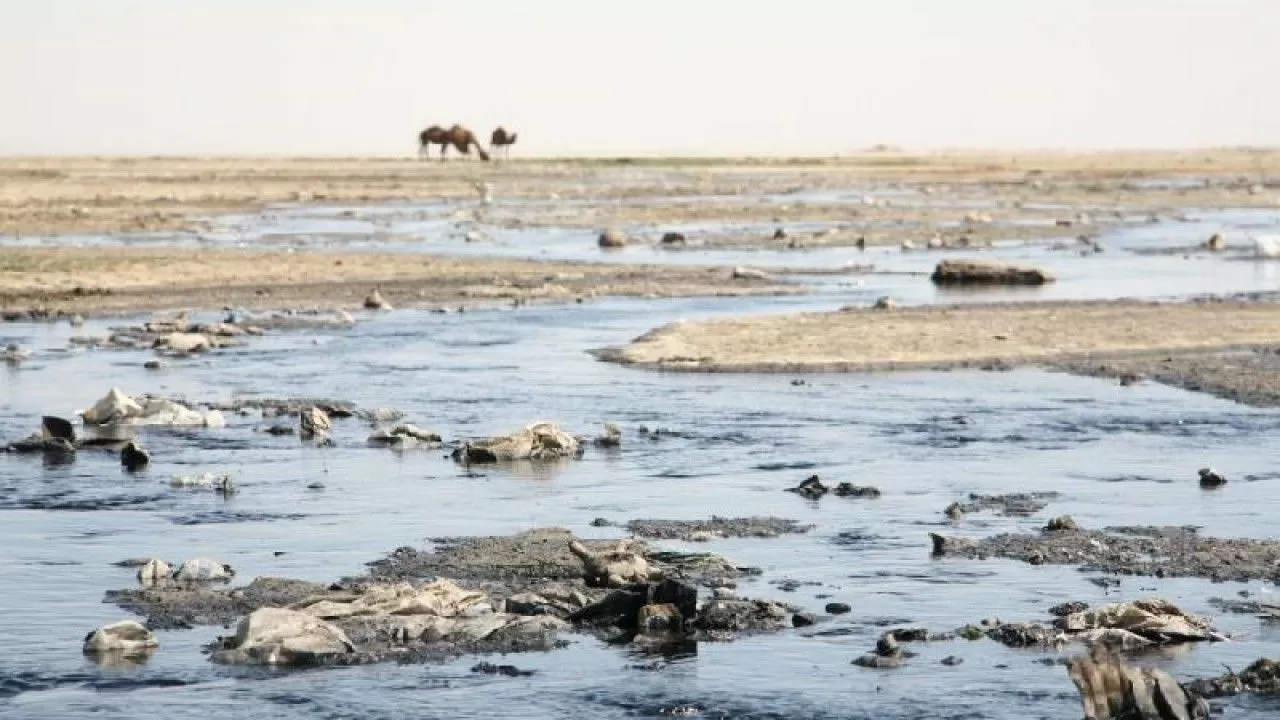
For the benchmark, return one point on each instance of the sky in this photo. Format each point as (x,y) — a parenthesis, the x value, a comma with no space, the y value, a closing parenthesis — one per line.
(635,77)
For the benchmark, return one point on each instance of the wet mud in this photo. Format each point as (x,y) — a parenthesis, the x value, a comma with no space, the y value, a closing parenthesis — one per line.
(187,605)
(1250,376)
(1163,552)
(522,562)
(714,528)
(1015,504)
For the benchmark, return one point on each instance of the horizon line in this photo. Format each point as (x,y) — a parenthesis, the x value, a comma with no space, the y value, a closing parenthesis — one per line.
(879,149)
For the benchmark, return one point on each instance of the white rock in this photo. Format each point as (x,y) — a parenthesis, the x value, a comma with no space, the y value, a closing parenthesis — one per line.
(403,436)
(203,569)
(314,422)
(384,415)
(125,636)
(114,407)
(276,636)
(220,483)
(187,342)
(1267,246)
(118,408)
(163,411)
(154,572)
(744,273)
(441,598)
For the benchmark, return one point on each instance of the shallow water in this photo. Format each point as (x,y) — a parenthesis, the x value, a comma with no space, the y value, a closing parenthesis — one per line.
(1142,259)
(1118,455)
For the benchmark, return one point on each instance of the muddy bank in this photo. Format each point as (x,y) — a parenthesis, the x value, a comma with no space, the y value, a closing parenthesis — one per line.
(1151,551)
(105,280)
(1247,375)
(1118,338)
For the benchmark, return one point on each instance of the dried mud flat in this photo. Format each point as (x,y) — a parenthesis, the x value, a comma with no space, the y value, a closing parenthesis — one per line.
(1222,347)
(47,195)
(85,281)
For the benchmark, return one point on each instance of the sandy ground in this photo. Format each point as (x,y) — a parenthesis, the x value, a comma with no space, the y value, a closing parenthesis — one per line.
(42,195)
(98,281)
(953,336)
(1061,194)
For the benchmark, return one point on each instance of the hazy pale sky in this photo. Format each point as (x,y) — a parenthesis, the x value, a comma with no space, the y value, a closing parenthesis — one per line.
(635,76)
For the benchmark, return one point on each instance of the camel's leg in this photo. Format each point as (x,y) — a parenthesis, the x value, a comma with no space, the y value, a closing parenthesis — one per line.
(443,149)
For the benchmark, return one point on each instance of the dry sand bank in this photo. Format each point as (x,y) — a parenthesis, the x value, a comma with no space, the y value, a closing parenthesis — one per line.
(87,281)
(46,195)
(1184,344)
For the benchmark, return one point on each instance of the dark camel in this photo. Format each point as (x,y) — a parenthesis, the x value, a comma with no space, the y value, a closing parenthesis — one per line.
(457,136)
(501,141)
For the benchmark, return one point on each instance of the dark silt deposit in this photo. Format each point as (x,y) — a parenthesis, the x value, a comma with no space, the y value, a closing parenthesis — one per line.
(767,624)
(1154,551)
(1010,504)
(185,605)
(716,527)
(1246,375)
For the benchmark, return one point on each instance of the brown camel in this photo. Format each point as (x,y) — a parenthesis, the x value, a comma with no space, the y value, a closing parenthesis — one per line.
(501,141)
(426,138)
(457,136)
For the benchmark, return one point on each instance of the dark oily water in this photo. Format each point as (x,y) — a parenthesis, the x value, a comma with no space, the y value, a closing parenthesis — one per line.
(729,446)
